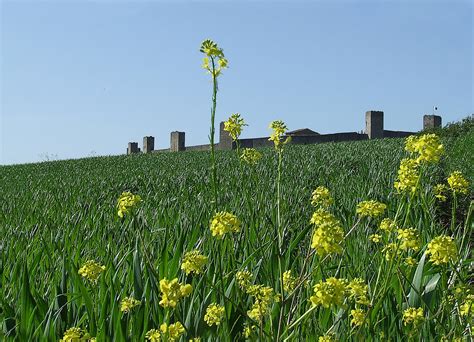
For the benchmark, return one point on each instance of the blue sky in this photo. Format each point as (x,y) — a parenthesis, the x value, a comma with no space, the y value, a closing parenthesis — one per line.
(83,77)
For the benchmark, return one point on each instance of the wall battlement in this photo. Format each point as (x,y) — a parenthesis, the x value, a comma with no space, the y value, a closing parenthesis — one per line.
(374,129)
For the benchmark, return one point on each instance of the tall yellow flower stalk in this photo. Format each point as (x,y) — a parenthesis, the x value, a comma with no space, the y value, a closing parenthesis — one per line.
(214,62)
(279,128)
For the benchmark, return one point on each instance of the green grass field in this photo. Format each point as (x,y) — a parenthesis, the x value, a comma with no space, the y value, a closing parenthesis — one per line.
(55,216)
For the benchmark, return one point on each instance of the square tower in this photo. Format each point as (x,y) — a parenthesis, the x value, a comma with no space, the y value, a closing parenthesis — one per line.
(374,124)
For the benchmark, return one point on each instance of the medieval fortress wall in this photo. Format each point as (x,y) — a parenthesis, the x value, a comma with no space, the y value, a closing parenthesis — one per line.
(374,129)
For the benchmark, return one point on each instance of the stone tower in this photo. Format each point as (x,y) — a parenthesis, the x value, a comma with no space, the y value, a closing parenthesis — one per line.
(225,140)
(148,144)
(177,141)
(431,121)
(374,124)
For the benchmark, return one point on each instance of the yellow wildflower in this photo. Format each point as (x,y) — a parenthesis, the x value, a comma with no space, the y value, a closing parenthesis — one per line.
(328,233)
(174,331)
(327,338)
(172,291)
(329,292)
(391,250)
(375,238)
(91,270)
(358,317)
(427,146)
(370,208)
(223,223)
(279,129)
(244,279)
(76,335)
(250,156)
(214,314)
(289,281)
(387,225)
(153,335)
(410,261)
(126,202)
(248,330)
(263,296)
(410,239)
(408,176)
(457,183)
(466,309)
(413,316)
(440,192)
(193,262)
(234,126)
(357,290)
(128,303)
(213,52)
(195,339)
(321,197)
(442,250)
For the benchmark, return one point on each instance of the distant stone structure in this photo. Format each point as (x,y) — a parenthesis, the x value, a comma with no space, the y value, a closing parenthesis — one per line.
(374,124)
(177,141)
(133,148)
(374,129)
(148,144)
(431,121)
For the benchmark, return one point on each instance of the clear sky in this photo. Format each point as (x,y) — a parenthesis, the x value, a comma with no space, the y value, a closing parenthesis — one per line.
(85,77)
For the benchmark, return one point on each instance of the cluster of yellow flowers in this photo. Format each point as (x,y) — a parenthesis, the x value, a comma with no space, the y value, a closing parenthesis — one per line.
(77,335)
(408,176)
(370,208)
(328,233)
(427,146)
(214,314)
(357,290)
(193,262)
(244,279)
(428,149)
(213,53)
(413,316)
(91,270)
(358,317)
(263,298)
(334,291)
(440,192)
(457,183)
(321,197)
(248,330)
(329,293)
(390,250)
(128,303)
(375,238)
(279,128)
(409,239)
(234,126)
(387,225)
(406,240)
(223,223)
(172,291)
(289,281)
(327,338)
(170,332)
(466,309)
(251,156)
(126,202)
(442,250)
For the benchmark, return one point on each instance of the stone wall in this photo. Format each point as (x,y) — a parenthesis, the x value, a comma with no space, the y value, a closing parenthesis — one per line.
(374,129)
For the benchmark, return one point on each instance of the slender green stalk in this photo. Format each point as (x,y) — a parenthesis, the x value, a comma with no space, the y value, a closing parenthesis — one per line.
(212,133)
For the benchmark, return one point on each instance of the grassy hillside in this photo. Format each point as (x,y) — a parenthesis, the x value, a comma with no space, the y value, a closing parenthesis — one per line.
(54,216)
